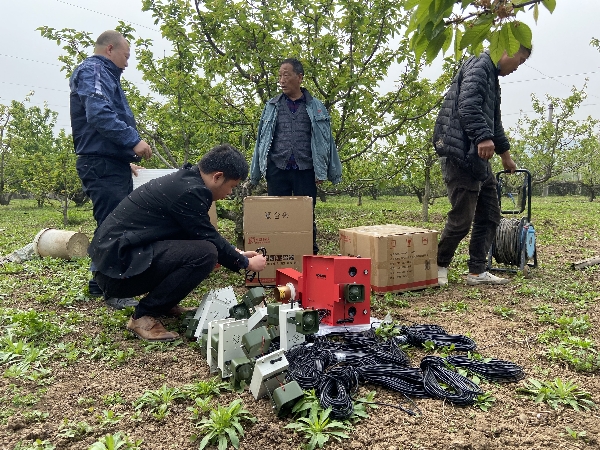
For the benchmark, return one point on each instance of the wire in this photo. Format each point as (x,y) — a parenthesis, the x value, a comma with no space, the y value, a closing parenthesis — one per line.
(444,384)
(506,248)
(419,334)
(334,365)
(107,15)
(250,275)
(490,369)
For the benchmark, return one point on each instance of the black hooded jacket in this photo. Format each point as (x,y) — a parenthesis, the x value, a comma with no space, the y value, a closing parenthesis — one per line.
(470,114)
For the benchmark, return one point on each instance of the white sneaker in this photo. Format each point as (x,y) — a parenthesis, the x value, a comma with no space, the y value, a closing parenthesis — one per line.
(485,278)
(442,276)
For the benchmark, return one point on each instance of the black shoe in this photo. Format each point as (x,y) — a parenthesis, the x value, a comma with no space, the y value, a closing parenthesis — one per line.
(120,303)
(94,289)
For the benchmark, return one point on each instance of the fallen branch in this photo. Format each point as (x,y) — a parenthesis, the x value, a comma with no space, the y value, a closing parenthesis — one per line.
(585,263)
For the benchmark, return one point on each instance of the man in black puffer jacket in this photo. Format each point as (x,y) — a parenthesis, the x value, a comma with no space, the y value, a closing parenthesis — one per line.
(467,133)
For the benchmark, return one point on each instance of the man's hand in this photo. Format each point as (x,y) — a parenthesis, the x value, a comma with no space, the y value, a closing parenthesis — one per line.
(507,162)
(135,168)
(256,263)
(143,150)
(485,149)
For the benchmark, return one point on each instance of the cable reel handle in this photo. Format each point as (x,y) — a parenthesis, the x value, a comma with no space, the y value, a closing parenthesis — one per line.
(526,188)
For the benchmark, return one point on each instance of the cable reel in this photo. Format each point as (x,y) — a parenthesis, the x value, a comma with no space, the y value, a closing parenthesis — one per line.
(514,243)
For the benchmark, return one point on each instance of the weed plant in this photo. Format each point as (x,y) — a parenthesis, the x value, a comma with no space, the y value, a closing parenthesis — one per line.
(224,425)
(558,393)
(117,441)
(318,428)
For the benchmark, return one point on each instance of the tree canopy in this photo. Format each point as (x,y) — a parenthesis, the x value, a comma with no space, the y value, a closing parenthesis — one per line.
(438,25)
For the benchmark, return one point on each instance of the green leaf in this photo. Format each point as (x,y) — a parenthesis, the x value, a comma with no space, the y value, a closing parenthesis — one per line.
(550,5)
(521,32)
(448,32)
(233,437)
(536,12)
(498,44)
(475,34)
(434,46)
(204,441)
(457,38)
(410,4)
(419,44)
(222,442)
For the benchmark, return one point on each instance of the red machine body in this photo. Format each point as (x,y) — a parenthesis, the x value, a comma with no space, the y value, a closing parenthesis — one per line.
(338,286)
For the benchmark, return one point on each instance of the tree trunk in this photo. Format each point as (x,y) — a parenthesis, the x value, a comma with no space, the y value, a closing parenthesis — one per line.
(5,198)
(426,195)
(65,210)
(322,195)
(359,198)
(545,190)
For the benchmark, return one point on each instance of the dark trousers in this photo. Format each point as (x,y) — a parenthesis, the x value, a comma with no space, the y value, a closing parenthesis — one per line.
(177,268)
(106,181)
(473,203)
(293,182)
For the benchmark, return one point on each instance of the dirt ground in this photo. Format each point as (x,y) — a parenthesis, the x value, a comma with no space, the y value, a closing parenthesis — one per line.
(513,421)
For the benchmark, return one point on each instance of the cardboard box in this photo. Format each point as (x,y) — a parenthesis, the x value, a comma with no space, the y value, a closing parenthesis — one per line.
(145,175)
(284,227)
(402,258)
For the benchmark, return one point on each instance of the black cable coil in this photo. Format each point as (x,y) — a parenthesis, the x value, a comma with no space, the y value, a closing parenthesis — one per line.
(492,370)
(419,334)
(408,380)
(335,391)
(460,390)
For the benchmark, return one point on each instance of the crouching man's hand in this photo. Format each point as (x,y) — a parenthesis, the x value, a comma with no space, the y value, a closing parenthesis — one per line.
(257,262)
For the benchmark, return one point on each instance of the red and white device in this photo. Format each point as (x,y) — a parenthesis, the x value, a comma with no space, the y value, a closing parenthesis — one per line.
(339,287)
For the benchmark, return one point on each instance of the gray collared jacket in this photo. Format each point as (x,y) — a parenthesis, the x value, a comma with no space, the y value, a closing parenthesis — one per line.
(326,162)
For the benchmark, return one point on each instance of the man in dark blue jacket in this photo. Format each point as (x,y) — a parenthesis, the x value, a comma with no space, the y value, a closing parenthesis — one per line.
(468,132)
(159,242)
(106,140)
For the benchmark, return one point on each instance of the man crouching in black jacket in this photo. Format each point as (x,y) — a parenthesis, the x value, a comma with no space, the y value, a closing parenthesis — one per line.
(159,241)
(468,131)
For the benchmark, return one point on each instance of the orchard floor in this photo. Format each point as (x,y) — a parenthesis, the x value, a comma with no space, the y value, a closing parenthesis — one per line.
(504,321)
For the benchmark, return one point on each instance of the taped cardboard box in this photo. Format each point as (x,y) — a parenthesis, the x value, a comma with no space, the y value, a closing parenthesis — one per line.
(402,258)
(145,175)
(284,227)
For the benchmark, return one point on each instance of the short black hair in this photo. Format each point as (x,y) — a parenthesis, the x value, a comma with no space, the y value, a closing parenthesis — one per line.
(525,50)
(296,65)
(227,159)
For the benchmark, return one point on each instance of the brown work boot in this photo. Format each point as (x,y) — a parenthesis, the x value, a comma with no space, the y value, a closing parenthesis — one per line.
(150,329)
(180,311)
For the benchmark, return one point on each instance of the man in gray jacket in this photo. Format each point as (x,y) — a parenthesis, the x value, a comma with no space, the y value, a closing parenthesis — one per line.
(468,131)
(295,149)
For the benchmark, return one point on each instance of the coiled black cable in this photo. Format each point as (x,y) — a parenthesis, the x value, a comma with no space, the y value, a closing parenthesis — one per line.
(406,380)
(460,390)
(333,393)
(419,334)
(492,370)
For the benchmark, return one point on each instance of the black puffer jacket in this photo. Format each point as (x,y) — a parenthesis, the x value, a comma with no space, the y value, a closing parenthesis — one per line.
(470,114)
